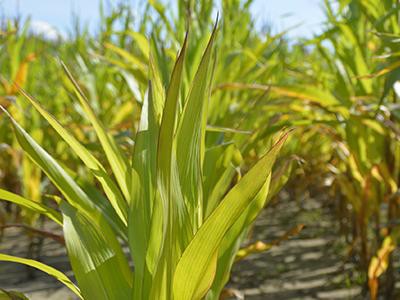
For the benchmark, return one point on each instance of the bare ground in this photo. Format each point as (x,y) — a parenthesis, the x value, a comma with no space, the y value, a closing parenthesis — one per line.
(307,266)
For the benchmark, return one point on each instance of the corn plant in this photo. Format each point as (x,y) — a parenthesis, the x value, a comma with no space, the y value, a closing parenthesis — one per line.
(22,61)
(350,97)
(242,54)
(19,173)
(368,152)
(182,241)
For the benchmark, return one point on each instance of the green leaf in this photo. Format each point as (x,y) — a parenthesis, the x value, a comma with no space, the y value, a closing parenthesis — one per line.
(196,269)
(305,92)
(99,265)
(53,170)
(105,207)
(60,178)
(116,158)
(234,237)
(191,136)
(168,121)
(143,187)
(11,295)
(218,170)
(134,62)
(44,268)
(173,208)
(31,205)
(146,215)
(111,190)
(141,42)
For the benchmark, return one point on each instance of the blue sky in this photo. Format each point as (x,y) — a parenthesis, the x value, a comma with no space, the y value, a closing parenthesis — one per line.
(307,14)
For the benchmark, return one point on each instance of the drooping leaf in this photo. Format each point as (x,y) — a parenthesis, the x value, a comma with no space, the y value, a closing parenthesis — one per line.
(12,295)
(53,170)
(31,205)
(111,190)
(116,158)
(44,268)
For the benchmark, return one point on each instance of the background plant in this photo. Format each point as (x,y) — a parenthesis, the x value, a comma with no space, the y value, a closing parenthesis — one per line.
(338,89)
(180,244)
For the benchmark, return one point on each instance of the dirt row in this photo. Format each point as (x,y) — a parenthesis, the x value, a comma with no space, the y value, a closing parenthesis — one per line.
(309,265)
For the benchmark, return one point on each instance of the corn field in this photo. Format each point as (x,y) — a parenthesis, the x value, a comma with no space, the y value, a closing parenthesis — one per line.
(148,149)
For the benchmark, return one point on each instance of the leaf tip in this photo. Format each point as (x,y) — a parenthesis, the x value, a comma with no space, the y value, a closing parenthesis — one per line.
(5,111)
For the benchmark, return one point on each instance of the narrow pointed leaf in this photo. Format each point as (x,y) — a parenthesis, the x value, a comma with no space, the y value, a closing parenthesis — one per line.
(111,190)
(116,158)
(44,268)
(143,190)
(60,178)
(31,205)
(99,264)
(190,136)
(193,272)
(168,189)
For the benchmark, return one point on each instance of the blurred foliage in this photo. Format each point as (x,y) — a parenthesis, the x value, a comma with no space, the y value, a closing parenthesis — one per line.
(339,90)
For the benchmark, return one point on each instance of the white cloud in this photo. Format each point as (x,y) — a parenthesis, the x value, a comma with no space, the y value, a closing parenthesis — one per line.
(45,30)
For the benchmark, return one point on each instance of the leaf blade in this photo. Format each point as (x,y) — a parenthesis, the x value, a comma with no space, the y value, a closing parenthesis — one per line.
(195,261)
(31,205)
(44,268)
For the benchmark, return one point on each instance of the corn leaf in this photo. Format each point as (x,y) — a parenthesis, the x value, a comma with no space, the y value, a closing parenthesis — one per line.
(196,268)
(12,295)
(53,170)
(115,157)
(191,135)
(31,205)
(141,42)
(99,264)
(60,178)
(168,185)
(134,61)
(44,268)
(233,239)
(111,190)
(143,187)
